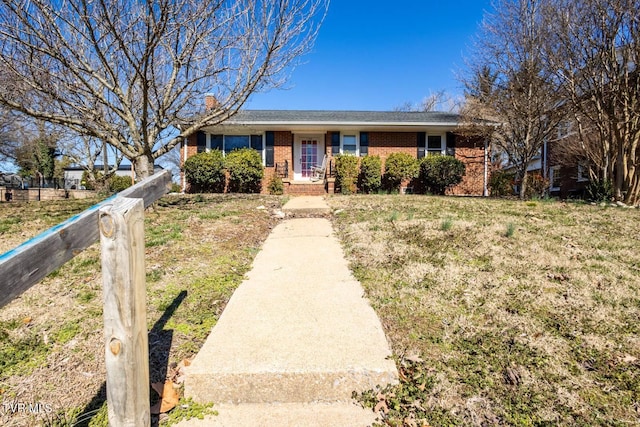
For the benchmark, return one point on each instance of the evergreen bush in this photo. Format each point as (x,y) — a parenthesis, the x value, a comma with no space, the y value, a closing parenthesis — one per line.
(397,168)
(276,186)
(438,173)
(245,170)
(599,191)
(118,183)
(347,173)
(205,172)
(370,179)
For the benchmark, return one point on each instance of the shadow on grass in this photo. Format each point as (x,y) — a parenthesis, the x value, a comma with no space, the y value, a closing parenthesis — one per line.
(159,347)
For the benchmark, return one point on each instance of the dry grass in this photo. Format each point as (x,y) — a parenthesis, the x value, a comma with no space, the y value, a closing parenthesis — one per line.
(51,340)
(522,313)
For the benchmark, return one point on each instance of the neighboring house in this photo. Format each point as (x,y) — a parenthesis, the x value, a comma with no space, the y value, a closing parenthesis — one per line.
(292,142)
(73,174)
(565,170)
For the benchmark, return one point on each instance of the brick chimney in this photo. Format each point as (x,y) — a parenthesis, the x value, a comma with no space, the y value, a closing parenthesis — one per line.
(210,102)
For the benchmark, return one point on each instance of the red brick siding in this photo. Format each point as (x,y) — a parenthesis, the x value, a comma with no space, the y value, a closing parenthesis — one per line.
(384,143)
(192,150)
(471,153)
(282,150)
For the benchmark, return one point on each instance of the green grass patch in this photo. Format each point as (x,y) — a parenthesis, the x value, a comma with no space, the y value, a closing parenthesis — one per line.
(161,234)
(528,331)
(21,351)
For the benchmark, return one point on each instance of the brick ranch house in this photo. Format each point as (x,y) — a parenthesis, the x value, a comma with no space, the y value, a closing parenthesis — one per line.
(292,142)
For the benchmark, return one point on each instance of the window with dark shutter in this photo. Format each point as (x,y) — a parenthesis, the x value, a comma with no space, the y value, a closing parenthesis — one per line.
(269,152)
(422,141)
(335,143)
(216,142)
(201,141)
(256,142)
(434,145)
(364,143)
(451,144)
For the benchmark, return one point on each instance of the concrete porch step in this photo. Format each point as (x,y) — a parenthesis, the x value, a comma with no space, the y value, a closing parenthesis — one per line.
(286,415)
(297,331)
(307,205)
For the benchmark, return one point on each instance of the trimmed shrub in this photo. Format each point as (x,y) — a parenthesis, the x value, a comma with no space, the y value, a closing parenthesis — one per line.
(399,167)
(370,179)
(245,170)
(437,173)
(118,183)
(501,183)
(347,173)
(205,172)
(276,187)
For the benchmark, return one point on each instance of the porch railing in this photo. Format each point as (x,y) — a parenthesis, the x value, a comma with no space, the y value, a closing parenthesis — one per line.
(331,169)
(282,169)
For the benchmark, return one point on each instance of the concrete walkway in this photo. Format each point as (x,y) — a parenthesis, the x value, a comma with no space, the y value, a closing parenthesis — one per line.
(307,205)
(295,340)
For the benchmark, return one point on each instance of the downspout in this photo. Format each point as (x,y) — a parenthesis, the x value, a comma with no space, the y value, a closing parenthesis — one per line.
(485,187)
(545,166)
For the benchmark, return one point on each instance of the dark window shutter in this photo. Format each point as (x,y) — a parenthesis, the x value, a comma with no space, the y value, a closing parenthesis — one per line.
(451,144)
(335,143)
(201,141)
(256,142)
(422,142)
(269,152)
(216,142)
(364,143)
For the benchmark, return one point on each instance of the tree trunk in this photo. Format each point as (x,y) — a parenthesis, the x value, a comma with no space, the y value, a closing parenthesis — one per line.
(143,166)
(523,185)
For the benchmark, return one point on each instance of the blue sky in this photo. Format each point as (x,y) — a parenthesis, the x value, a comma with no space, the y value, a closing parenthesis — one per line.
(376,55)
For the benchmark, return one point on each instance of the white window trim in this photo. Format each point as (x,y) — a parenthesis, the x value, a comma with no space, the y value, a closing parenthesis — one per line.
(582,171)
(443,144)
(552,172)
(357,135)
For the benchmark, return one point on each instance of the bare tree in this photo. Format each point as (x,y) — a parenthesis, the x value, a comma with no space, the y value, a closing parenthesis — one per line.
(595,53)
(87,153)
(12,132)
(508,85)
(134,74)
(436,101)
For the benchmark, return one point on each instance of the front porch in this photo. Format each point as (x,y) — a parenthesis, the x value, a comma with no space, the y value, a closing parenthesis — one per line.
(304,187)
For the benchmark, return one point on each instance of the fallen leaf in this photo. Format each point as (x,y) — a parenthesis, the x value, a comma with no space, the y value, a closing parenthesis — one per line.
(381,406)
(629,359)
(27,320)
(168,397)
(415,358)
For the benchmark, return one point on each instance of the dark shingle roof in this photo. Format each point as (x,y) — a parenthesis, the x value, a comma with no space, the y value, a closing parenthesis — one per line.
(344,117)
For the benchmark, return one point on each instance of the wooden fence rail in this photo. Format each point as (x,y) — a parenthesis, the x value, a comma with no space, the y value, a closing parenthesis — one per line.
(30,262)
(119,223)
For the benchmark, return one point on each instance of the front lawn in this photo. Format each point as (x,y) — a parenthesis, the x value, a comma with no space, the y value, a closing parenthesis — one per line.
(501,312)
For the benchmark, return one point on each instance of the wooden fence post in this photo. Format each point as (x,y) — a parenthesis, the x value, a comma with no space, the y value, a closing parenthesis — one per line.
(125,323)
